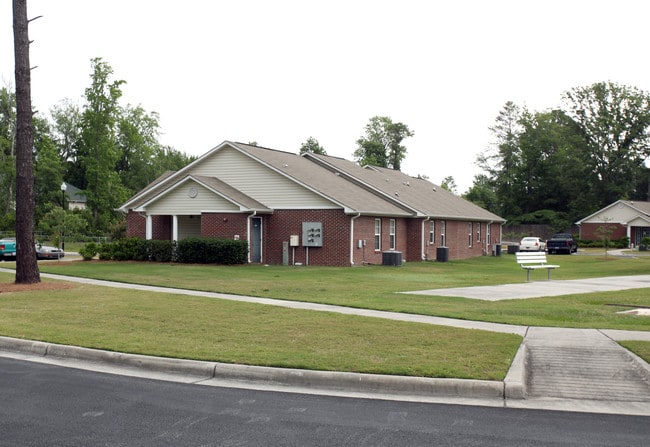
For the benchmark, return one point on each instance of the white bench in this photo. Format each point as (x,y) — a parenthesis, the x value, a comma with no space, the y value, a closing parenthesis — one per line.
(534,261)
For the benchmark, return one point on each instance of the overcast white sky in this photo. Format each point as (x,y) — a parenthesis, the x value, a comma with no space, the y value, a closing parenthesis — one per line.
(278,72)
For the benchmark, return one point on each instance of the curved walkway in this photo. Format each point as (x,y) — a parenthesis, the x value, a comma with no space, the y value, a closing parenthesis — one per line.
(555,368)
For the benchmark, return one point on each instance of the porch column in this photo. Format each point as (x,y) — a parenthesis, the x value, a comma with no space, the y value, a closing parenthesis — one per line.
(174,227)
(149,227)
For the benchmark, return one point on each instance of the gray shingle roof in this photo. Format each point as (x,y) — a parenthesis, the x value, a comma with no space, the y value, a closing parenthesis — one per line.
(369,190)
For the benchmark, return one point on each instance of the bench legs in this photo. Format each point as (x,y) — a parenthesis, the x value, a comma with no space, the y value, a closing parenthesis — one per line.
(548,274)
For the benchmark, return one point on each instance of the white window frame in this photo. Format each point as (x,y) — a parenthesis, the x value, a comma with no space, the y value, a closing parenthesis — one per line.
(391,235)
(377,234)
(432,232)
(470,236)
(443,230)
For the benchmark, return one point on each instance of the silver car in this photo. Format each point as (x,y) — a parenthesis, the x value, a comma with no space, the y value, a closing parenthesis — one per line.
(532,244)
(48,252)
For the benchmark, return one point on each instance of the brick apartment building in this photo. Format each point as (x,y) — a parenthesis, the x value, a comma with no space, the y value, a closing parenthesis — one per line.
(309,209)
(620,219)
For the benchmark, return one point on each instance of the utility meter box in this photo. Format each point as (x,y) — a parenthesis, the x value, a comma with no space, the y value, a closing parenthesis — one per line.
(312,234)
(294,240)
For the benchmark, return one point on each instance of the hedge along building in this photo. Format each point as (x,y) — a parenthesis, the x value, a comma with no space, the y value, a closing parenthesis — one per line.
(309,209)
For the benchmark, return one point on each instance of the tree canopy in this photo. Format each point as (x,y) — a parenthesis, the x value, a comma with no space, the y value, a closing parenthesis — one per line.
(313,146)
(563,164)
(382,143)
(107,150)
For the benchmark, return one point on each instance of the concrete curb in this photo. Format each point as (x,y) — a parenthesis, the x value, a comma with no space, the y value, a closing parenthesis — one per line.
(516,379)
(323,380)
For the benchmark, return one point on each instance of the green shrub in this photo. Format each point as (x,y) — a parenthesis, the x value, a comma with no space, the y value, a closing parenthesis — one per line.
(193,250)
(89,251)
(198,250)
(600,243)
(161,251)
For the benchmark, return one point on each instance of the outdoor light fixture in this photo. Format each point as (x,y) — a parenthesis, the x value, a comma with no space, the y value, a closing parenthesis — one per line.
(63,188)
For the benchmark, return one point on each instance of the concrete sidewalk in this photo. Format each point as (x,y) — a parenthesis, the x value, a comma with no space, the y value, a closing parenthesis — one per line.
(555,368)
(536,289)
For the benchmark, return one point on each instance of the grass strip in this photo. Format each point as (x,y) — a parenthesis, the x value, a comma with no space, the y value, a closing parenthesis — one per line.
(181,326)
(375,287)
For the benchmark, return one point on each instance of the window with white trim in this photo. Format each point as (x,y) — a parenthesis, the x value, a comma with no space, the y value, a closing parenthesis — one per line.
(432,232)
(469,236)
(443,226)
(478,233)
(377,234)
(392,235)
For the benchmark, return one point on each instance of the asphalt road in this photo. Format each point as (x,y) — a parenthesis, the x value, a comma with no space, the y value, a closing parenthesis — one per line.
(46,405)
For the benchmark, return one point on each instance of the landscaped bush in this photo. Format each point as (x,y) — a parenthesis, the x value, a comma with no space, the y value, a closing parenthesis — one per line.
(161,251)
(615,243)
(89,251)
(191,250)
(197,250)
(131,249)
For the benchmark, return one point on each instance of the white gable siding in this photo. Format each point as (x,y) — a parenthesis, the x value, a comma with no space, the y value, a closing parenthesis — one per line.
(259,182)
(617,213)
(179,202)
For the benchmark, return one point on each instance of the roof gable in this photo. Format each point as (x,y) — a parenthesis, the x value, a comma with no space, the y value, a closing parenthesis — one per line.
(260,178)
(621,211)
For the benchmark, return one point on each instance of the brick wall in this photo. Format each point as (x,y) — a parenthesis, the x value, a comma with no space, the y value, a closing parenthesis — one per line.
(278,227)
(590,231)
(224,225)
(136,225)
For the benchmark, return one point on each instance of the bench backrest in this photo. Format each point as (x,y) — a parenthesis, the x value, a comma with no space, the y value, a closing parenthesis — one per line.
(532,257)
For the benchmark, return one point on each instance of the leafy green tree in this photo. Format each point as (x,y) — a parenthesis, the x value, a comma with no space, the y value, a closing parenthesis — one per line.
(614,120)
(382,143)
(49,170)
(551,173)
(166,158)
(66,133)
(59,223)
(99,151)
(313,146)
(137,140)
(502,162)
(483,193)
(7,155)
(449,184)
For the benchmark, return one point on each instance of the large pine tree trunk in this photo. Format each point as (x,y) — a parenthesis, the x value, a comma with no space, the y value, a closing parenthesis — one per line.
(26,265)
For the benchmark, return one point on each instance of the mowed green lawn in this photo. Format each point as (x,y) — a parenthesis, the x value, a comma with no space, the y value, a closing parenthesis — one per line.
(220,330)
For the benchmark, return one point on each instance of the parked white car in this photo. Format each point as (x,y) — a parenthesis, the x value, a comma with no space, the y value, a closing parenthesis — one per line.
(532,244)
(48,252)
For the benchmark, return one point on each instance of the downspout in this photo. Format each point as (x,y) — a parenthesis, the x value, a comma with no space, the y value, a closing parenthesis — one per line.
(423,255)
(488,232)
(248,233)
(352,219)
